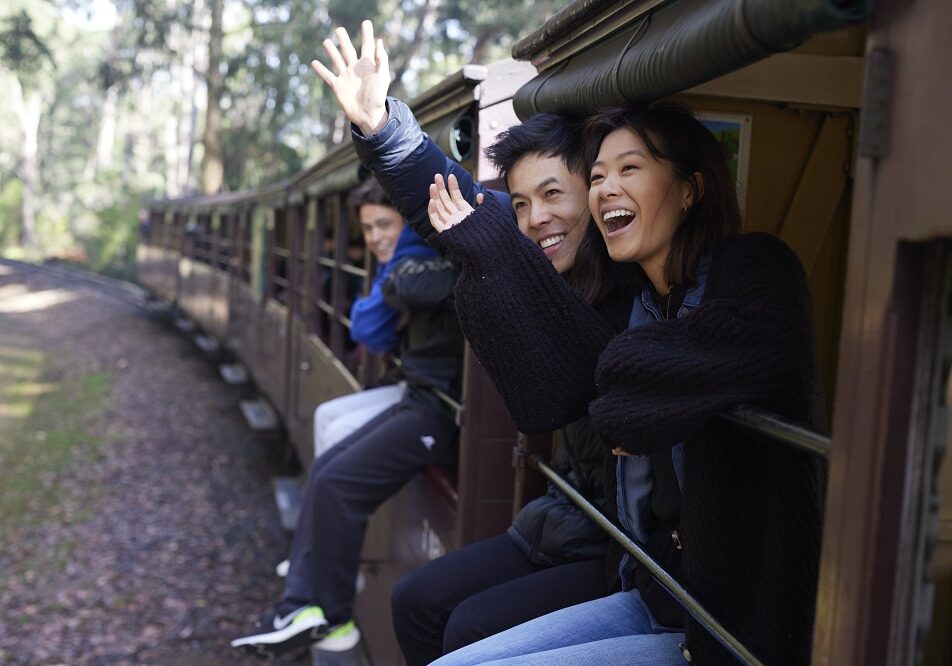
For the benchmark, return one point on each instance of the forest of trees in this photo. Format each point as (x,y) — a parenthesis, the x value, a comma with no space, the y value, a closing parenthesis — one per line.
(107,103)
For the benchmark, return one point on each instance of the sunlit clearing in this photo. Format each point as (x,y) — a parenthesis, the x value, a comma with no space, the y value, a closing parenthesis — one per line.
(26,389)
(31,302)
(16,410)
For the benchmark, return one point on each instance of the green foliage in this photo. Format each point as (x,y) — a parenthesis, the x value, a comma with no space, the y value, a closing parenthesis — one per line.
(123,104)
(11,205)
(249,161)
(22,50)
(110,247)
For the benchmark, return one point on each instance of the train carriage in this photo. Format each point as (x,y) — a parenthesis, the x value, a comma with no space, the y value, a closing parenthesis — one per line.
(832,112)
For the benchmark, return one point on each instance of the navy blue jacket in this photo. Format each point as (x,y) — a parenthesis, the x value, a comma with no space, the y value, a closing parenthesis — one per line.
(373,320)
(404,160)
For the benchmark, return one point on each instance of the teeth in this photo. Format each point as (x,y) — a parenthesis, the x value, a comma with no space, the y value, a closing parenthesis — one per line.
(550,241)
(621,212)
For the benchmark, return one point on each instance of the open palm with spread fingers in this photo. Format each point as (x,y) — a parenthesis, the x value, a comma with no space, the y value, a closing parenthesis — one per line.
(359,84)
(447,207)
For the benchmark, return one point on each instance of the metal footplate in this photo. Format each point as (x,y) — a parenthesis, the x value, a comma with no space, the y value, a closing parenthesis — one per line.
(184,324)
(233,373)
(259,415)
(206,343)
(287,495)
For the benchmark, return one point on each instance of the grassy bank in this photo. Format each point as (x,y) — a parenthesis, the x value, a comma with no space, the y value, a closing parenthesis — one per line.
(48,416)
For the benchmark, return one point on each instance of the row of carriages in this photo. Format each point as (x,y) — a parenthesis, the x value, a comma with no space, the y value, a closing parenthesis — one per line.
(271,272)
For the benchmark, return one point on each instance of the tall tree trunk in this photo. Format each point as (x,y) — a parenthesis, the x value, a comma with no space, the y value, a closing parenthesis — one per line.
(423,15)
(107,129)
(170,151)
(482,44)
(28,109)
(142,140)
(212,167)
(186,120)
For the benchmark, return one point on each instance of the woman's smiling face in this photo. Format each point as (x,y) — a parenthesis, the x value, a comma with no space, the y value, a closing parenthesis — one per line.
(636,200)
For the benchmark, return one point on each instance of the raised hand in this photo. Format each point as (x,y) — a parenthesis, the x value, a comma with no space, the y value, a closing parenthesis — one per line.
(359,84)
(447,207)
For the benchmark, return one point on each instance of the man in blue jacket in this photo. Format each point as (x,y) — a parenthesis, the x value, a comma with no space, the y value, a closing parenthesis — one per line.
(409,311)
(373,321)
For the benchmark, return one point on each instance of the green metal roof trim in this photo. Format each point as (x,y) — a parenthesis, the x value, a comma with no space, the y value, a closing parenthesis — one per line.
(669,47)
(562,24)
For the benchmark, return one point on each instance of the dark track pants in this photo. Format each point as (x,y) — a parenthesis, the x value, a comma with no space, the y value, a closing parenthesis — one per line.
(481,590)
(346,485)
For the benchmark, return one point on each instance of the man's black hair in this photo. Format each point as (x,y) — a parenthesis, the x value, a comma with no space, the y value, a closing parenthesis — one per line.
(545,134)
(368,192)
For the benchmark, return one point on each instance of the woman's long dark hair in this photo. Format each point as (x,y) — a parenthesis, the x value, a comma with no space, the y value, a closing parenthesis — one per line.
(671,133)
(595,276)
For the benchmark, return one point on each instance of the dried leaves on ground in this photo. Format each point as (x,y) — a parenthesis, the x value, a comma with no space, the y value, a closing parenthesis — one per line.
(136,524)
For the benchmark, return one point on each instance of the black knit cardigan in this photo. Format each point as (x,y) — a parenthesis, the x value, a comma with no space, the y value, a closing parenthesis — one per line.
(750,525)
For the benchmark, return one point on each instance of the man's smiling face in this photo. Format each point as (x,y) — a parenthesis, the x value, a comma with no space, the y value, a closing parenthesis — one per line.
(551,205)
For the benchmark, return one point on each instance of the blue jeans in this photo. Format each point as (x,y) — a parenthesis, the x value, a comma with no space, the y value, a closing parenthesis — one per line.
(482,589)
(618,629)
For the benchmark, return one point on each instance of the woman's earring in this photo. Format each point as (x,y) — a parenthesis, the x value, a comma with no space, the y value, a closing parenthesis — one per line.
(684,210)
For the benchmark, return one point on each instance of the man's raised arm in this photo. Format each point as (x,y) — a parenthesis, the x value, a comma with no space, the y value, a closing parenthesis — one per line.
(387,137)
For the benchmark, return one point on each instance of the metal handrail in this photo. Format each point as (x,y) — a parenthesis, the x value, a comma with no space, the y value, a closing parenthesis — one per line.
(683,597)
(353,270)
(457,407)
(765,425)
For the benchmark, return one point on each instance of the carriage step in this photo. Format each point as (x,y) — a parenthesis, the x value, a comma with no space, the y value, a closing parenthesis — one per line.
(233,373)
(259,415)
(287,495)
(207,343)
(184,324)
(158,306)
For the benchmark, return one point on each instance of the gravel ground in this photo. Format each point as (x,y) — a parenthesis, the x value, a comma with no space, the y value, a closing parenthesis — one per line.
(162,540)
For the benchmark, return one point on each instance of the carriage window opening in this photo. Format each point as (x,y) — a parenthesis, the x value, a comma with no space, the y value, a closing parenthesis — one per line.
(203,239)
(224,241)
(244,235)
(280,255)
(171,232)
(322,266)
(160,230)
(299,260)
(178,223)
(354,268)
(347,287)
(189,232)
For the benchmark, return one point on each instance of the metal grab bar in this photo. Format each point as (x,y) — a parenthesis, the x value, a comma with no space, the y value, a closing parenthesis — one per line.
(674,588)
(446,399)
(765,425)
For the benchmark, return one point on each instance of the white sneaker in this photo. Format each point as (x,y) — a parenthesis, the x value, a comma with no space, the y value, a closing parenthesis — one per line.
(275,634)
(340,638)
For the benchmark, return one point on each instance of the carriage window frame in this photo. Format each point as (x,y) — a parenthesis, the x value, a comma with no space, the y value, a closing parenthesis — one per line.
(719,121)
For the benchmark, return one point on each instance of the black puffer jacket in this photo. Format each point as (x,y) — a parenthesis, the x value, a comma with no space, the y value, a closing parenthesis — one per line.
(550,529)
(431,343)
